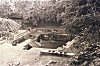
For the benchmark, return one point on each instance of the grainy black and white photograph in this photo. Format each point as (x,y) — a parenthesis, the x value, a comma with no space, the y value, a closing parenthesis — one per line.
(49,32)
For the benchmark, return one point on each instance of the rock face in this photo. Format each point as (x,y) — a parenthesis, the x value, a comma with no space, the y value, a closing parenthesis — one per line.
(8,25)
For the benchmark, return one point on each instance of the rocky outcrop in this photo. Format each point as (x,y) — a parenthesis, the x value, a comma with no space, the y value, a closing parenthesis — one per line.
(8,25)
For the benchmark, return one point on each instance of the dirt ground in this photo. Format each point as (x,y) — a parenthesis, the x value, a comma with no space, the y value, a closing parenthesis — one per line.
(15,56)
